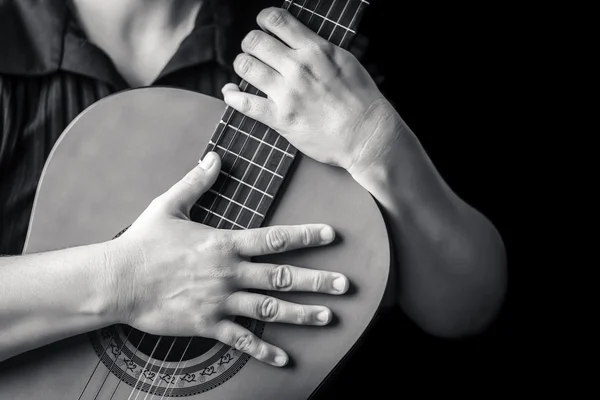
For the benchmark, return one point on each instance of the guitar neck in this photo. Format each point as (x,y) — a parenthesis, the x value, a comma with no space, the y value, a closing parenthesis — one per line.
(256,160)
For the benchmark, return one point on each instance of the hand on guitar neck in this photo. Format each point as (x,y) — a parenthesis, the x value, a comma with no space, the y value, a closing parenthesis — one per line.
(167,275)
(451,272)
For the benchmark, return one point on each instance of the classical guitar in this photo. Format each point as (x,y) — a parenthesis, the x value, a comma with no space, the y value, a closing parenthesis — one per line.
(128,148)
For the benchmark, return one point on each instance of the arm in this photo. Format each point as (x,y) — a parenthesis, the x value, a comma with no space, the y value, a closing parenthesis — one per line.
(451,263)
(166,275)
(49,296)
(450,276)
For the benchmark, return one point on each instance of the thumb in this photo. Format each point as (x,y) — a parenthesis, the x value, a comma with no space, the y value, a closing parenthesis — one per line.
(183,194)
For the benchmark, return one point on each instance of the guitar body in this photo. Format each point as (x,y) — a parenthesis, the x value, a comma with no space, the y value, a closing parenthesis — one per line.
(103,172)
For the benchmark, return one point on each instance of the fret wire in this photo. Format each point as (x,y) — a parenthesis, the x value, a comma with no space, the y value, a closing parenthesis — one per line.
(330,8)
(235,202)
(219,216)
(348,31)
(214,147)
(239,156)
(259,140)
(325,18)
(259,173)
(278,137)
(356,14)
(247,184)
(245,159)
(262,196)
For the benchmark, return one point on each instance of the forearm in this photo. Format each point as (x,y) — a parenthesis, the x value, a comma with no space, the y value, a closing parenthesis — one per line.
(49,296)
(450,258)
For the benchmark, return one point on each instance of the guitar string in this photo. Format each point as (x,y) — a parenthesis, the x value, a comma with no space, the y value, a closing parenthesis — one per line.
(278,135)
(204,222)
(258,148)
(219,191)
(356,13)
(95,368)
(145,369)
(227,150)
(123,371)
(113,364)
(159,369)
(224,214)
(329,39)
(246,137)
(343,12)
(260,172)
(318,31)
(238,184)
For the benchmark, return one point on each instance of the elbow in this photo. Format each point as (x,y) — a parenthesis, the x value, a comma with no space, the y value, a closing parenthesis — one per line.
(469,295)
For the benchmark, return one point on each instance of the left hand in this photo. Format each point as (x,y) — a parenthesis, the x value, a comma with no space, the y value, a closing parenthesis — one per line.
(320,98)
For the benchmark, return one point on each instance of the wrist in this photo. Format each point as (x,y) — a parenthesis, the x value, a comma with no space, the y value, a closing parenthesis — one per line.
(117,291)
(401,176)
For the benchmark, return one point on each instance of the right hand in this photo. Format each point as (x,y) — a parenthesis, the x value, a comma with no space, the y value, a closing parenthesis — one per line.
(182,278)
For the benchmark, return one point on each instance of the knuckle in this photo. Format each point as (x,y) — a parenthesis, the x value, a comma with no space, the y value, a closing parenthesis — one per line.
(307,236)
(317,282)
(289,117)
(322,48)
(160,201)
(301,315)
(276,239)
(201,323)
(268,308)
(244,342)
(219,243)
(262,352)
(246,104)
(243,63)
(275,16)
(304,70)
(252,39)
(282,277)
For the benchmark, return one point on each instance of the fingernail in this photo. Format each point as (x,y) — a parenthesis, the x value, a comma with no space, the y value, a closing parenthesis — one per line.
(339,283)
(323,316)
(280,360)
(327,234)
(208,161)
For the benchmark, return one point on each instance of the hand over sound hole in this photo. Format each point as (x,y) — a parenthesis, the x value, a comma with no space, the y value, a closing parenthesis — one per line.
(175,277)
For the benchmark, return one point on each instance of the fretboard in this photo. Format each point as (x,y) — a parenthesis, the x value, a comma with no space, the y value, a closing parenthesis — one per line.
(256,160)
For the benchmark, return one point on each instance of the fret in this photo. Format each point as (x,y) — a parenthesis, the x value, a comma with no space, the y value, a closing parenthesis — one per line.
(255,179)
(325,18)
(244,183)
(216,214)
(226,153)
(235,202)
(254,128)
(255,158)
(259,140)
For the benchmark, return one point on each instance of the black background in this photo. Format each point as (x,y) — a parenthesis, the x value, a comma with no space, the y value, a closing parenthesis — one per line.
(451,73)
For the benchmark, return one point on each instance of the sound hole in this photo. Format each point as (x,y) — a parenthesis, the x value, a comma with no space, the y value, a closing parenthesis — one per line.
(147,344)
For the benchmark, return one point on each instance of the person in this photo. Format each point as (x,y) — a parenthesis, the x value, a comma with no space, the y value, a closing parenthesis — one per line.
(57,58)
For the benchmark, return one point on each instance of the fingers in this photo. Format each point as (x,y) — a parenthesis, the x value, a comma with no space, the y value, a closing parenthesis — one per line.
(254,106)
(270,309)
(281,23)
(289,278)
(268,49)
(183,194)
(258,74)
(234,335)
(277,239)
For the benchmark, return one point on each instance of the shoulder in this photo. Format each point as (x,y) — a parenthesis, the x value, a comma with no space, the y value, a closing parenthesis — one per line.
(31,35)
